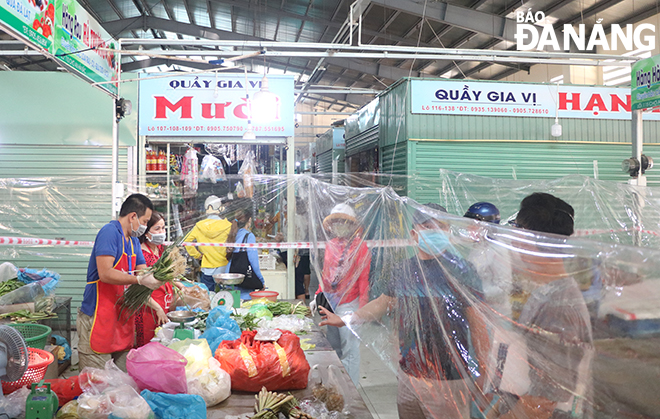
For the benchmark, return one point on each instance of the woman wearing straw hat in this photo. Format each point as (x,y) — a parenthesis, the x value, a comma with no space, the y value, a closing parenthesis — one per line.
(345,280)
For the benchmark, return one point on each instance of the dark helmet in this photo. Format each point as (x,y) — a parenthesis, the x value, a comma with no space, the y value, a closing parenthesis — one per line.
(484,211)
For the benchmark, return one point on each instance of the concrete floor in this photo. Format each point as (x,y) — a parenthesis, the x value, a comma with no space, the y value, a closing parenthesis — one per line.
(378,385)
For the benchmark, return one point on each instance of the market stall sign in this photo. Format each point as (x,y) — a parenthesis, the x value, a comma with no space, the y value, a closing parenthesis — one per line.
(77,35)
(206,105)
(645,83)
(32,20)
(521,99)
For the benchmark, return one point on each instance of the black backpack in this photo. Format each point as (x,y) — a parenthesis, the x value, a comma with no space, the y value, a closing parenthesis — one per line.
(240,264)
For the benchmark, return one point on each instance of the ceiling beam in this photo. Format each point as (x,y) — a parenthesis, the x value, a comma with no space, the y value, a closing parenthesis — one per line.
(473,20)
(140,22)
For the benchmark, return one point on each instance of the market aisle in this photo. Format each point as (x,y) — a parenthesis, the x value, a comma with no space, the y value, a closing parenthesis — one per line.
(378,385)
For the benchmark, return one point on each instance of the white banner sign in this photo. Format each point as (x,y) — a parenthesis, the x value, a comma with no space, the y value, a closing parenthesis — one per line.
(206,105)
(521,99)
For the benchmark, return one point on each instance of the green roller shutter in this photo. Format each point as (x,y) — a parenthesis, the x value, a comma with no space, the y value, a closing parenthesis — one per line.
(324,162)
(366,140)
(522,160)
(57,192)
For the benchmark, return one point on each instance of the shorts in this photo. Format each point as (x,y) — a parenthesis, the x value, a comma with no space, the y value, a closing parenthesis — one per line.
(302,269)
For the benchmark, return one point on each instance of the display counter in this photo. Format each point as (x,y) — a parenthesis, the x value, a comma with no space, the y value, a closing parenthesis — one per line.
(275,279)
(241,402)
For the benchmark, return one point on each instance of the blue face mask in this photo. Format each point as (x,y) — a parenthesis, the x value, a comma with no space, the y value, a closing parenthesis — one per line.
(433,242)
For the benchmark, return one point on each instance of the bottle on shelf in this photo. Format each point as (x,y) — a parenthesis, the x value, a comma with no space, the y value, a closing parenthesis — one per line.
(149,161)
(162,161)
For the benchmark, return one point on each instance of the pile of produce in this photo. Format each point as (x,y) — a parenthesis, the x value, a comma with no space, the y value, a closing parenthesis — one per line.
(270,404)
(10,285)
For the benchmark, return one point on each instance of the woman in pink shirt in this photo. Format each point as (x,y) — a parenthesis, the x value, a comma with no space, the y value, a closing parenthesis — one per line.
(345,281)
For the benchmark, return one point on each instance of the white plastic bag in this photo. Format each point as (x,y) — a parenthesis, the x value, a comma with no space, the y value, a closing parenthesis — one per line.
(212,169)
(248,170)
(97,381)
(8,271)
(14,404)
(122,402)
(213,384)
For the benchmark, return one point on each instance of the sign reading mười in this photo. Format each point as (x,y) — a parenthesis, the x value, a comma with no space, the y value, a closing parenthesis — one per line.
(77,35)
(29,19)
(206,105)
(521,99)
(645,83)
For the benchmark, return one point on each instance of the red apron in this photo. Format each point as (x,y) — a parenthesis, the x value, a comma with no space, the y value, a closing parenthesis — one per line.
(110,333)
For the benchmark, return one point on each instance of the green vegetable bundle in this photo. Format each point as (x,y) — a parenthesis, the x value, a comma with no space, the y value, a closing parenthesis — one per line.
(10,285)
(26,316)
(168,268)
(283,307)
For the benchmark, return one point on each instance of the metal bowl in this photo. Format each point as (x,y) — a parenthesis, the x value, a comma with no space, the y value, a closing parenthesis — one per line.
(229,279)
(181,316)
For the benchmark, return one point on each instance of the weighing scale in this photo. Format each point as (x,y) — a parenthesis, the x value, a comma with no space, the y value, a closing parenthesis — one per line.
(228,296)
(41,402)
(182,316)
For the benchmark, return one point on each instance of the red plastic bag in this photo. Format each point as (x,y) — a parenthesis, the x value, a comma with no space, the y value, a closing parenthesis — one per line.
(158,368)
(254,364)
(66,389)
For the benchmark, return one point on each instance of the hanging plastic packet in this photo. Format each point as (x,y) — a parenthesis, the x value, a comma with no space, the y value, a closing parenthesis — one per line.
(248,170)
(212,169)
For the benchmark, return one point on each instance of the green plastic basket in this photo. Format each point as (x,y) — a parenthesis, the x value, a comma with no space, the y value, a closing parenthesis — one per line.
(35,335)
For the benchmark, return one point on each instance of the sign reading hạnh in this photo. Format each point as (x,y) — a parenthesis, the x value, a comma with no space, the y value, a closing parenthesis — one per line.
(645,83)
(29,19)
(521,99)
(206,105)
(77,35)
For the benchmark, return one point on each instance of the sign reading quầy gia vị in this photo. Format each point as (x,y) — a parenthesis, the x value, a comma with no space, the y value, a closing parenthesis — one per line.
(645,83)
(521,99)
(206,105)
(29,19)
(77,37)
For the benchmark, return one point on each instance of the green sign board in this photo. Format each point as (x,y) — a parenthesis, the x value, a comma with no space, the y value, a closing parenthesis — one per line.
(29,19)
(77,35)
(645,83)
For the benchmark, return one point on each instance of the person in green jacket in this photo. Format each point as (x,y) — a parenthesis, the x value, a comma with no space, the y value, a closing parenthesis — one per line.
(213,229)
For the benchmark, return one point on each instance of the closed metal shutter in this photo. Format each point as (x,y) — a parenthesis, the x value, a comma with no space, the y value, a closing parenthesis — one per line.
(363,141)
(524,160)
(64,192)
(324,162)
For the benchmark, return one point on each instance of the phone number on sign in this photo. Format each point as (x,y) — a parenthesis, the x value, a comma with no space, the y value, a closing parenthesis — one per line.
(211,128)
(484,109)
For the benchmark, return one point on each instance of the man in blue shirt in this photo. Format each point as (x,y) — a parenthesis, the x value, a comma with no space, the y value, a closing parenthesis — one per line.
(115,260)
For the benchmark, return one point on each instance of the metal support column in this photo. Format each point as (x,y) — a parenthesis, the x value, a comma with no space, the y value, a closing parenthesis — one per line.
(291,215)
(640,180)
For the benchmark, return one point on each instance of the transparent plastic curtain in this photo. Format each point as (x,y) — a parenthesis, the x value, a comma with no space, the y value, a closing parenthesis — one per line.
(473,317)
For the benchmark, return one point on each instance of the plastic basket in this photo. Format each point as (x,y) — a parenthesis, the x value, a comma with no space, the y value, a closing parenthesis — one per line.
(38,362)
(35,335)
(270,295)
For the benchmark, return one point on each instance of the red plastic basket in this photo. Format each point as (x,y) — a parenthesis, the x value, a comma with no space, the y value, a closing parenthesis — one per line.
(38,362)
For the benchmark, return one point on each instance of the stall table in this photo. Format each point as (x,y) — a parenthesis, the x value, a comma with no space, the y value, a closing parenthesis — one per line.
(323,355)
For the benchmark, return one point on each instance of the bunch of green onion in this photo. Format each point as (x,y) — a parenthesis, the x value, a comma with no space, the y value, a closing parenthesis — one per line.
(170,266)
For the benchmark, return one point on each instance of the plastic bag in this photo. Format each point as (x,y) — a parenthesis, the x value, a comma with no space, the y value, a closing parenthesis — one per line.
(158,368)
(96,381)
(69,410)
(220,317)
(14,404)
(120,402)
(216,335)
(197,352)
(24,294)
(66,389)
(212,169)
(194,297)
(213,384)
(280,365)
(7,271)
(47,279)
(175,406)
(290,322)
(61,341)
(261,311)
(248,169)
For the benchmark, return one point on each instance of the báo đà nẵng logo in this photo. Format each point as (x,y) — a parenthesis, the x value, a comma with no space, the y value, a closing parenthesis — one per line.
(533,33)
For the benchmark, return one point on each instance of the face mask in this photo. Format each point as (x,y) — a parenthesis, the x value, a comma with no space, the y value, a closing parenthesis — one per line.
(343,231)
(140,231)
(433,242)
(157,239)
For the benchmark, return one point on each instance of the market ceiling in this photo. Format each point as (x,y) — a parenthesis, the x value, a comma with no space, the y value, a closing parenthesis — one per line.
(453,24)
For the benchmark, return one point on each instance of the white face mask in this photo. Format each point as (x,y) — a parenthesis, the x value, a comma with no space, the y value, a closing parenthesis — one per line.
(157,239)
(140,231)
